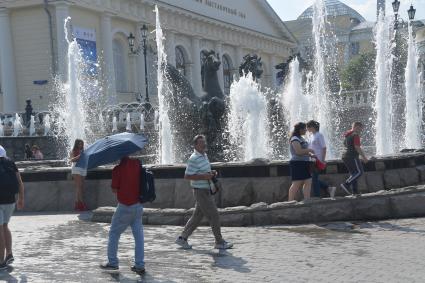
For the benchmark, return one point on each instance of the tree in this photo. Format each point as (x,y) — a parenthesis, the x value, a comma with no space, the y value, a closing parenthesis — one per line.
(359,72)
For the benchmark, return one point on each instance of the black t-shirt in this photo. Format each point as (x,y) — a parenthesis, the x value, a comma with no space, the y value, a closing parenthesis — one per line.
(8,181)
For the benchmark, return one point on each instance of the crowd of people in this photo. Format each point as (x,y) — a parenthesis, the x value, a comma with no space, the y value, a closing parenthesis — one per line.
(308,157)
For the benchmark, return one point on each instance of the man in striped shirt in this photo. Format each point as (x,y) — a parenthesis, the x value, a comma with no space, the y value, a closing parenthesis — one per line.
(199,172)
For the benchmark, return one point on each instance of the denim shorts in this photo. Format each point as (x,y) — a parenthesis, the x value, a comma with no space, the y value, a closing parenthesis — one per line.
(6,211)
(78,171)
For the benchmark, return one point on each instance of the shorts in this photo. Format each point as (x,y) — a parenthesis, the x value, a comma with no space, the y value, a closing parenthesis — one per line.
(78,171)
(6,211)
(300,170)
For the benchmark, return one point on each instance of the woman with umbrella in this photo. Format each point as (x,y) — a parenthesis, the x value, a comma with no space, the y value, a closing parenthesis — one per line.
(78,174)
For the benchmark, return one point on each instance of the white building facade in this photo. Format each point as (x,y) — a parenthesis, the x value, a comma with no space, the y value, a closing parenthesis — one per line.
(33,46)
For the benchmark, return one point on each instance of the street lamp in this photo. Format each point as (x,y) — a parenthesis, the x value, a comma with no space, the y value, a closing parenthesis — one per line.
(136,51)
(411,12)
(396,7)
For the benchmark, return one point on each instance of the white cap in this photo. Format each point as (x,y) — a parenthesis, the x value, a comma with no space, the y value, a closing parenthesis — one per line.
(2,152)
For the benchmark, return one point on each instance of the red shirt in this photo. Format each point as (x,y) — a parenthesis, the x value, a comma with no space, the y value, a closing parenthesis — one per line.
(356,138)
(126,180)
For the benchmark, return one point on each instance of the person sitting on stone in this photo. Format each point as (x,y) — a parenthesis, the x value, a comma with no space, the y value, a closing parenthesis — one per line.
(37,152)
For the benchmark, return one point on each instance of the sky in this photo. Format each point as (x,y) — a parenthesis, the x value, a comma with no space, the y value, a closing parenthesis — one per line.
(290,9)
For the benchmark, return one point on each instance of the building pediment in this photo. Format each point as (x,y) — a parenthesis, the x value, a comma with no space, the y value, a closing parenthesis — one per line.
(255,15)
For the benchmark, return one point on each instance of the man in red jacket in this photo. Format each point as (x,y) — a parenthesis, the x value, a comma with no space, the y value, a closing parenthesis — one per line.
(126,185)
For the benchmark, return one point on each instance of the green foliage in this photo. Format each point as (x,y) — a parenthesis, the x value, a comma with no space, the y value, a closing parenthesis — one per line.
(359,72)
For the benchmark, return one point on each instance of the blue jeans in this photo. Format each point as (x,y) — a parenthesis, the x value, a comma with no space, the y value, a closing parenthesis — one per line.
(125,216)
(317,184)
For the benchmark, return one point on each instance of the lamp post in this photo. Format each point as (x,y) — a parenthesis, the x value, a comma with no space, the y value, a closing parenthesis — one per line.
(142,46)
(396,7)
(411,12)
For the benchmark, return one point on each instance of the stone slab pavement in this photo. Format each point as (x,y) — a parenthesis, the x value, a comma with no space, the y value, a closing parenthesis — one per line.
(67,248)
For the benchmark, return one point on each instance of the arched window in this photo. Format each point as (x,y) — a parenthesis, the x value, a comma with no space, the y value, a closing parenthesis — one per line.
(120,66)
(227,73)
(203,57)
(180,61)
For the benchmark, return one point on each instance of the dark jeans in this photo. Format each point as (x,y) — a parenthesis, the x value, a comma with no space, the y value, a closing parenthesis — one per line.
(355,167)
(318,185)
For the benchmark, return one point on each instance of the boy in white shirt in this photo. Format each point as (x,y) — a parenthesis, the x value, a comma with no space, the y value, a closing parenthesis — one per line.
(318,145)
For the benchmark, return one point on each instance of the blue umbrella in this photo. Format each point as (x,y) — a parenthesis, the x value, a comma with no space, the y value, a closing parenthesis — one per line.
(110,149)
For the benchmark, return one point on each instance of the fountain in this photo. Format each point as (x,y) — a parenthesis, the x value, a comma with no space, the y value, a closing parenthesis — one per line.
(321,98)
(293,99)
(142,122)
(114,124)
(383,100)
(17,126)
(1,128)
(46,121)
(247,124)
(165,149)
(128,123)
(413,109)
(32,125)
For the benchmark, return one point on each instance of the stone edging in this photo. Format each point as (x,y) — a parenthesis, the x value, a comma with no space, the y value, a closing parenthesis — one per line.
(396,203)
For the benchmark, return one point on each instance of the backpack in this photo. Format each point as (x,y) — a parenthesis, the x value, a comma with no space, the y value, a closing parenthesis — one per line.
(147,185)
(9,182)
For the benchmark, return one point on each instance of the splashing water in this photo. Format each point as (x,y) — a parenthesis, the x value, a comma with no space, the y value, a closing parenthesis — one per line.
(79,98)
(383,100)
(248,120)
(114,124)
(128,123)
(165,150)
(294,101)
(32,125)
(413,109)
(17,125)
(46,124)
(1,128)
(142,122)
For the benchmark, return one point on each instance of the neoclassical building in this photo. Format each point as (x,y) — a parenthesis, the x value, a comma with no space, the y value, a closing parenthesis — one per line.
(33,46)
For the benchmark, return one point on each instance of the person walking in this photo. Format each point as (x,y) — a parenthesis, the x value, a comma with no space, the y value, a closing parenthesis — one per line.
(126,180)
(351,159)
(199,172)
(300,162)
(317,143)
(78,174)
(10,185)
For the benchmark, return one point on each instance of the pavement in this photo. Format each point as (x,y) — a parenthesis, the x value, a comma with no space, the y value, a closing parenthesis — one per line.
(68,248)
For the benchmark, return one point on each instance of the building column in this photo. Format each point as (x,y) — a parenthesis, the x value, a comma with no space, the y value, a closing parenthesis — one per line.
(171,47)
(196,70)
(7,65)
(108,69)
(219,51)
(61,14)
(133,60)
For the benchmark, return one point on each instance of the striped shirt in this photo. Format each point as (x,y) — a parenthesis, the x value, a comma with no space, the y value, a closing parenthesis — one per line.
(197,164)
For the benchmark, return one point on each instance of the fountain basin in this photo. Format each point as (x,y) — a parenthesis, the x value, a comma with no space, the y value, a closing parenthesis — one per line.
(52,189)
(392,204)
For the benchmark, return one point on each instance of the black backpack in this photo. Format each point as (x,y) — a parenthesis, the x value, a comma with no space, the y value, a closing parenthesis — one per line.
(147,185)
(9,182)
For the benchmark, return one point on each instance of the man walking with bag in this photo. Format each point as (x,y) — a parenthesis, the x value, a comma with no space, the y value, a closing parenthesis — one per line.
(10,186)
(199,172)
(126,185)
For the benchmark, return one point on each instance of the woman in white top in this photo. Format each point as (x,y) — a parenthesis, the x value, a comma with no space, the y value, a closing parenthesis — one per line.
(78,174)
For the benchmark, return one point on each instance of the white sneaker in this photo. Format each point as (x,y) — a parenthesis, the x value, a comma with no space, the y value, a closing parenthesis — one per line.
(183,243)
(223,246)
(332,191)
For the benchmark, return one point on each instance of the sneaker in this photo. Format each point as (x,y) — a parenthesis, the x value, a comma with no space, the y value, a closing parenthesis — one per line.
(9,259)
(332,192)
(3,266)
(183,243)
(107,266)
(223,246)
(138,270)
(344,187)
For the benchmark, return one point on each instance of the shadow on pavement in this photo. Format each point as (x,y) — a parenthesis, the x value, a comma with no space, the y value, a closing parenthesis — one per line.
(225,260)
(5,276)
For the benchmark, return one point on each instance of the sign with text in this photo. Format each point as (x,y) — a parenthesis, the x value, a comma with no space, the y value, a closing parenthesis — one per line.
(86,39)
